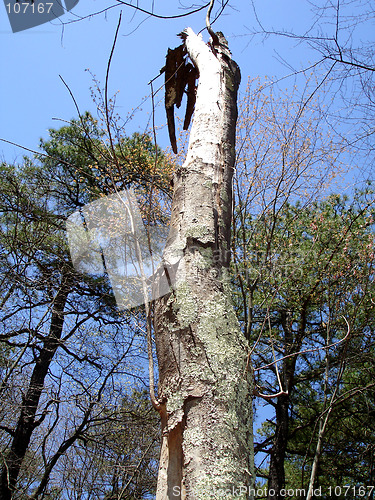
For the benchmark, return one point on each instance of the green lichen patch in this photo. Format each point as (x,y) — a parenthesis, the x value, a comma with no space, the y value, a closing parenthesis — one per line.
(186,306)
(199,232)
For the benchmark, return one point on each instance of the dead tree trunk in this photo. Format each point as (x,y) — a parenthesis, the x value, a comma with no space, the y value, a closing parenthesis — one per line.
(205,386)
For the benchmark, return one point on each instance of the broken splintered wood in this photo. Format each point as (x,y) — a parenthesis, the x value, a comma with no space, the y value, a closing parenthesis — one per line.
(180,77)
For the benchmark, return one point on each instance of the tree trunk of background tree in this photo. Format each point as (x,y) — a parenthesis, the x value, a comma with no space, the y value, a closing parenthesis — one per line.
(27,421)
(277,459)
(205,382)
(293,344)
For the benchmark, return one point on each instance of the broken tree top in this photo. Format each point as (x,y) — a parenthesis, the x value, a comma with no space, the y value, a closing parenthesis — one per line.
(181,76)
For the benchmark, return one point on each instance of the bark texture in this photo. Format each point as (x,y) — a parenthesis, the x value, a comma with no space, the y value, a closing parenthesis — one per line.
(205,385)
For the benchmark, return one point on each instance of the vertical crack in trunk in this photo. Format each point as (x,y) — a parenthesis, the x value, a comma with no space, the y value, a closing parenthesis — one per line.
(175,462)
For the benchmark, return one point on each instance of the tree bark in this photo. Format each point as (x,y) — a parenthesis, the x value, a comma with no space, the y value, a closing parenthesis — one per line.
(27,420)
(205,384)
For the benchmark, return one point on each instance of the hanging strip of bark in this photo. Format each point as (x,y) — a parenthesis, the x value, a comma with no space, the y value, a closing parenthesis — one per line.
(205,387)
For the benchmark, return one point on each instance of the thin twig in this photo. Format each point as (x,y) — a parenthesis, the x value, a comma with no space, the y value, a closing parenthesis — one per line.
(304,352)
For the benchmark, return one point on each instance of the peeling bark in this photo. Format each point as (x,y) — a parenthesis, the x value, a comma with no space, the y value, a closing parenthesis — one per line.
(205,386)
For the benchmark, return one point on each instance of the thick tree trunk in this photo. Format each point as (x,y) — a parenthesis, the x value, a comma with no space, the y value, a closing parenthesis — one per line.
(27,420)
(205,385)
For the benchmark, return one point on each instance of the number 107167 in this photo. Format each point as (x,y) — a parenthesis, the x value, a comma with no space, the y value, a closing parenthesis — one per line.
(356,491)
(28,7)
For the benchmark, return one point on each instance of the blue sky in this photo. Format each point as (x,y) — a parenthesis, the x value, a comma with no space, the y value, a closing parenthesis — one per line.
(32,94)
